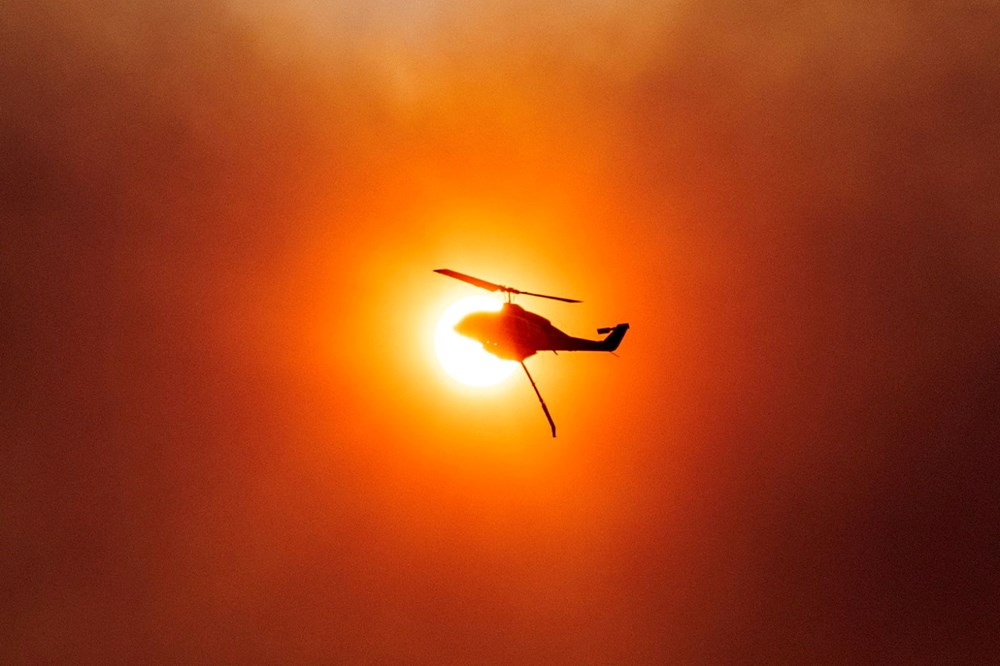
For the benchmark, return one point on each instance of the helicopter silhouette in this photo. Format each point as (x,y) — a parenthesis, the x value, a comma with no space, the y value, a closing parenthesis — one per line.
(514,334)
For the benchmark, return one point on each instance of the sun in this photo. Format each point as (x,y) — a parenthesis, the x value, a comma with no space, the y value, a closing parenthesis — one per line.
(464,359)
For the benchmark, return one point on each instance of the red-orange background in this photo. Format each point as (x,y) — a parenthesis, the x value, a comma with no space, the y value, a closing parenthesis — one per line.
(226,438)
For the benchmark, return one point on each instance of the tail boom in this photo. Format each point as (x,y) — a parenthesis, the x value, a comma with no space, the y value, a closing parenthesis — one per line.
(608,344)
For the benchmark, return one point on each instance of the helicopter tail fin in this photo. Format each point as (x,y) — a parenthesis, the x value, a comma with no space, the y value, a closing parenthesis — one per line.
(614,338)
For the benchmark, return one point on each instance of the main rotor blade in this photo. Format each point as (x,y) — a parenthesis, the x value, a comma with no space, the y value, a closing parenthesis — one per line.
(554,298)
(545,409)
(492,286)
(474,281)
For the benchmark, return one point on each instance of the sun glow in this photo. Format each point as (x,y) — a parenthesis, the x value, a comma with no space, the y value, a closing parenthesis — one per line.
(463,359)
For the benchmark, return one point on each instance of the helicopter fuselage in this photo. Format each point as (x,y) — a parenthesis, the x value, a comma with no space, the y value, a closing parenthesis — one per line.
(514,334)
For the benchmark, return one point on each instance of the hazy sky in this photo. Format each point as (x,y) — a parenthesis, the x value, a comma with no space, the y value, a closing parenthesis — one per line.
(225,435)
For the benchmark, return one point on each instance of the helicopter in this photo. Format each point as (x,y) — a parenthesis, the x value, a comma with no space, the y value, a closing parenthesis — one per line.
(514,334)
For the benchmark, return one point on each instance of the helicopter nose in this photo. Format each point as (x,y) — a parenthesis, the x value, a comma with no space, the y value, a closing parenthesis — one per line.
(466,327)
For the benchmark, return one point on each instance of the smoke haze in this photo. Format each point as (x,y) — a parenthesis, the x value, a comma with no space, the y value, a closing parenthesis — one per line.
(221,441)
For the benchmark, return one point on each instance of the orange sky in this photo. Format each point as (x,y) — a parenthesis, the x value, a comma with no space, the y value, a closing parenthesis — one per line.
(226,438)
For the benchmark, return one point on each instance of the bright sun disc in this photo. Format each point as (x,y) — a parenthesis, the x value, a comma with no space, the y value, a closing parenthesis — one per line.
(465,359)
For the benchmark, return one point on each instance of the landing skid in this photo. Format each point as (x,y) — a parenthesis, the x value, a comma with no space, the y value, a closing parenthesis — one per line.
(545,409)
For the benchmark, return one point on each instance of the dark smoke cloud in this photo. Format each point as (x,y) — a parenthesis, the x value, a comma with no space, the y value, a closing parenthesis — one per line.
(805,197)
